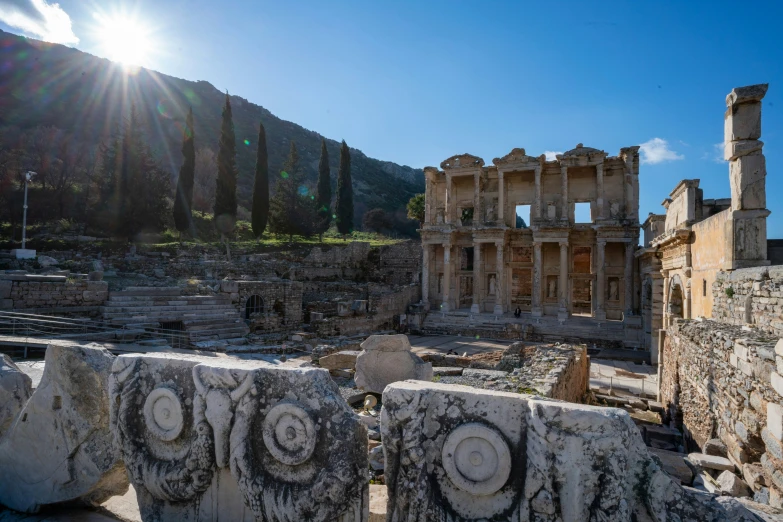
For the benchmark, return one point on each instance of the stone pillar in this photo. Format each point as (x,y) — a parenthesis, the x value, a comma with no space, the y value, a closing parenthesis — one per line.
(537,309)
(665,314)
(445,307)
(429,202)
(599,201)
(477,279)
(628,278)
(449,199)
(425,276)
(563,193)
(537,211)
(600,283)
(501,198)
(478,217)
(500,281)
(563,282)
(686,302)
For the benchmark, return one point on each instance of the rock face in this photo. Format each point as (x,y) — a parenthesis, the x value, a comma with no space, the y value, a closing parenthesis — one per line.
(60,447)
(387,359)
(455,453)
(15,390)
(210,439)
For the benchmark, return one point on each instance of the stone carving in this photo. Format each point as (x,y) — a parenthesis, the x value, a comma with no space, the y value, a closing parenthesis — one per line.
(387,359)
(457,453)
(552,288)
(234,440)
(15,390)
(551,211)
(491,284)
(614,289)
(462,161)
(59,447)
(517,156)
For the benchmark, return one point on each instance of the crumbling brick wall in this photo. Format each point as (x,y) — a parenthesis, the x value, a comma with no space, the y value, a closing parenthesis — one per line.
(50,292)
(718,380)
(279,308)
(750,296)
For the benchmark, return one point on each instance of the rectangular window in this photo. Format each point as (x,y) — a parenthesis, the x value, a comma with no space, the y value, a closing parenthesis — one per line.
(704,288)
(522,216)
(582,213)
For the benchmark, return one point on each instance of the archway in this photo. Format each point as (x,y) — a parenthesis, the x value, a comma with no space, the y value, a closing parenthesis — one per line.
(254,305)
(676,299)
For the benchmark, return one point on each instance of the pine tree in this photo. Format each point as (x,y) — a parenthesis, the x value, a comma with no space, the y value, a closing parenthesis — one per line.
(292,211)
(324,196)
(260,212)
(344,203)
(183,218)
(226,183)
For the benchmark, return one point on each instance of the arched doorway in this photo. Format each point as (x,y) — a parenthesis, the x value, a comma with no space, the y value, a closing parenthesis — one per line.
(254,305)
(676,308)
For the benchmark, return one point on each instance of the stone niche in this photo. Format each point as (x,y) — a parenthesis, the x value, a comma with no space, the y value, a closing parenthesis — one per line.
(457,453)
(226,440)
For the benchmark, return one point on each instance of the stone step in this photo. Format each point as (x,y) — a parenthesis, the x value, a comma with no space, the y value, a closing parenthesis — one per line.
(214,326)
(225,334)
(148,291)
(167,298)
(185,309)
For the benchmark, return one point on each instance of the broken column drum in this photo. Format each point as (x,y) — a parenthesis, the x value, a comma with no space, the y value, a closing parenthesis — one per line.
(205,439)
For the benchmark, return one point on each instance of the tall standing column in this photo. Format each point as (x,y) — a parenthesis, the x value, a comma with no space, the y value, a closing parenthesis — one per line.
(429,203)
(478,217)
(600,284)
(563,193)
(563,283)
(425,276)
(665,313)
(501,198)
(537,209)
(599,180)
(500,281)
(628,277)
(449,199)
(445,307)
(476,306)
(537,310)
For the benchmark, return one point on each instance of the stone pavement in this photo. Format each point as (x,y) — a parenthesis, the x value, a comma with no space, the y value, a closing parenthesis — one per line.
(622,375)
(460,344)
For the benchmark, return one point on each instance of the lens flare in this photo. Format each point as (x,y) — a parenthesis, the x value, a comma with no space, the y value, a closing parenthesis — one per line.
(124,39)
(247,142)
(284,175)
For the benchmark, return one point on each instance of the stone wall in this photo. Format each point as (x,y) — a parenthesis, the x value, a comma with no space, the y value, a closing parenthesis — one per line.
(721,380)
(750,296)
(279,307)
(19,292)
(572,376)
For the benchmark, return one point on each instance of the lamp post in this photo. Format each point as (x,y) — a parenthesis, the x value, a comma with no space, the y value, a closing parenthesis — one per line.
(28,177)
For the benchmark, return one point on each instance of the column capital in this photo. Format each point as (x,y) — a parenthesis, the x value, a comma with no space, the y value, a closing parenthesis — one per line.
(601,241)
(563,168)
(563,243)
(665,273)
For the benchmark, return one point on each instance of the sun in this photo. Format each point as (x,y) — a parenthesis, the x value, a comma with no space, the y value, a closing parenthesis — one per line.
(124,40)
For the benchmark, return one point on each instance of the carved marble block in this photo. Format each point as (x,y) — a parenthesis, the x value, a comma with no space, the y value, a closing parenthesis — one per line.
(214,439)
(455,453)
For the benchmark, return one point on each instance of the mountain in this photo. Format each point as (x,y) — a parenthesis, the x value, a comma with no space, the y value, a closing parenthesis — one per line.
(49,84)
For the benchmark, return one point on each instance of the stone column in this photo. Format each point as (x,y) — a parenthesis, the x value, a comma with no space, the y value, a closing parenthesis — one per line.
(537,210)
(665,314)
(449,199)
(537,309)
(478,217)
(563,193)
(686,303)
(628,277)
(563,282)
(476,306)
(599,202)
(429,203)
(501,198)
(425,277)
(445,307)
(500,282)
(600,283)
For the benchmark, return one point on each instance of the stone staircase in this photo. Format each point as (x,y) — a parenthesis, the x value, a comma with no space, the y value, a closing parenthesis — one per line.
(200,318)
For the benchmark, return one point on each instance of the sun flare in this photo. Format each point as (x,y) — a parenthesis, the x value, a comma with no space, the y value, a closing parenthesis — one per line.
(124,40)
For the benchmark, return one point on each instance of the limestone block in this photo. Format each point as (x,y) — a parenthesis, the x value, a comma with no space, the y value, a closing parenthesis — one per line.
(710,461)
(60,448)
(775,419)
(387,359)
(779,347)
(742,122)
(754,475)
(458,453)
(229,287)
(223,440)
(378,501)
(730,484)
(715,447)
(747,177)
(735,149)
(776,380)
(5,289)
(15,389)
(747,94)
(339,360)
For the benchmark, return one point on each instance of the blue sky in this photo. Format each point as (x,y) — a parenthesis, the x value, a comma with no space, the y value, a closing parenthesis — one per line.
(414,82)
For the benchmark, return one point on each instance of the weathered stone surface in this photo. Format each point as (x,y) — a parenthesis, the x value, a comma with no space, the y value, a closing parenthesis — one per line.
(710,461)
(742,122)
(60,448)
(730,484)
(46,261)
(15,390)
(455,453)
(674,464)
(715,447)
(754,476)
(387,359)
(735,149)
(339,361)
(747,94)
(218,439)
(747,177)
(378,500)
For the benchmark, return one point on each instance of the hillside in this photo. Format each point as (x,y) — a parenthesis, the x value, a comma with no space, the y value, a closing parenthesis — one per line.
(50,84)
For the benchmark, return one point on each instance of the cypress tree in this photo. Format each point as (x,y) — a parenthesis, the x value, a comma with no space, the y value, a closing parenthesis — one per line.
(324,195)
(344,204)
(183,218)
(260,212)
(226,183)
(292,211)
